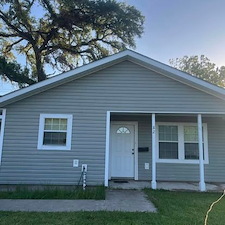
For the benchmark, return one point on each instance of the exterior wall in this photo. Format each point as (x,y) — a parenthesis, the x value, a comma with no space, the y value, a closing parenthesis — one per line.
(123,87)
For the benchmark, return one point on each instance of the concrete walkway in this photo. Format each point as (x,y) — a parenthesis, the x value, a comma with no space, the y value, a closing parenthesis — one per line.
(116,200)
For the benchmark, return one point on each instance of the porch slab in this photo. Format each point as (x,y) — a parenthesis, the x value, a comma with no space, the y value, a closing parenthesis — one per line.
(166,185)
(130,184)
(188,186)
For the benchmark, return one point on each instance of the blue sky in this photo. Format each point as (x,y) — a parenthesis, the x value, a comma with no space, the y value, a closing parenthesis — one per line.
(176,28)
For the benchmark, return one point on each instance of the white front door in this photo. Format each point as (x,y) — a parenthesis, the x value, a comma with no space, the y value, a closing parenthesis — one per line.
(122,149)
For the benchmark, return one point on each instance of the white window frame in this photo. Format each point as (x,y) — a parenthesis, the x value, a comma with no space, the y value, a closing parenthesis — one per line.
(181,150)
(2,128)
(69,118)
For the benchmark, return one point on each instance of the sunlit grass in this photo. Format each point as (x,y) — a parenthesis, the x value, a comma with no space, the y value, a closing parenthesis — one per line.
(174,208)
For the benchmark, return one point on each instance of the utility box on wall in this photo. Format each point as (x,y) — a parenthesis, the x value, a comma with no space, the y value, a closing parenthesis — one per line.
(146,166)
(75,162)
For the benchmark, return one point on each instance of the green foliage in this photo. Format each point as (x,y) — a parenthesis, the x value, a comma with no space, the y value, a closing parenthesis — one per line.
(54,193)
(174,208)
(202,68)
(12,71)
(66,33)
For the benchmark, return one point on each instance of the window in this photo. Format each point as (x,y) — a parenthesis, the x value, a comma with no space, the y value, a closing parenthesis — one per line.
(123,130)
(178,143)
(168,142)
(55,131)
(191,142)
(2,126)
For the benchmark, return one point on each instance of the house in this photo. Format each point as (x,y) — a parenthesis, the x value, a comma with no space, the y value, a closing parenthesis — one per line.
(125,116)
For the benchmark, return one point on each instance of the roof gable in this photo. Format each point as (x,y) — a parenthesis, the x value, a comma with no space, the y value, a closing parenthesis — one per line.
(107,62)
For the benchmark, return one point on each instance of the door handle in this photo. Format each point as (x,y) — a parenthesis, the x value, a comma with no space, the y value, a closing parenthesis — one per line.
(132,151)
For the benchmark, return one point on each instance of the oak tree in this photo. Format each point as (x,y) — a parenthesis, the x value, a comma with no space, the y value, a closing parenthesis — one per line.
(201,67)
(59,35)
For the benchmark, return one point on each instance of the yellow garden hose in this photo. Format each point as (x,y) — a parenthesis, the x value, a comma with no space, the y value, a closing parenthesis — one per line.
(211,206)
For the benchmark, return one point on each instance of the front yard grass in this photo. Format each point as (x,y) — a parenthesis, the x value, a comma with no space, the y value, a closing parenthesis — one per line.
(54,193)
(174,208)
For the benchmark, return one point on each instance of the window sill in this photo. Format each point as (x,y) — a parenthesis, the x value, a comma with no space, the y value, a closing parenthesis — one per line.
(177,161)
(54,148)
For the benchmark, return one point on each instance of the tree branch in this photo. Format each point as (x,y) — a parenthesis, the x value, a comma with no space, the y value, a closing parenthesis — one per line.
(8,35)
(52,32)
(9,47)
(20,33)
(25,21)
(14,72)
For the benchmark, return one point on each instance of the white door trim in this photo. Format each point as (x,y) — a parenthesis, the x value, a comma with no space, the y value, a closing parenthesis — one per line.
(135,124)
(2,118)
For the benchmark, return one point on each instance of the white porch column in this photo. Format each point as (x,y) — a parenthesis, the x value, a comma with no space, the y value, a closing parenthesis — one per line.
(107,149)
(202,186)
(154,184)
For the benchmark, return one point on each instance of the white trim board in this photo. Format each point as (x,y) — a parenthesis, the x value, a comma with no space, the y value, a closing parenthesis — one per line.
(109,61)
(2,118)
(170,112)
(68,132)
(180,141)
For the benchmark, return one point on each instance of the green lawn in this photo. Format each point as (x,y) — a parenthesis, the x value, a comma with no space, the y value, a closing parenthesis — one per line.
(54,193)
(174,208)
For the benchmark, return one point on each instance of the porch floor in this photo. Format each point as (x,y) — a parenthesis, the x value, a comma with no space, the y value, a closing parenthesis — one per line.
(189,186)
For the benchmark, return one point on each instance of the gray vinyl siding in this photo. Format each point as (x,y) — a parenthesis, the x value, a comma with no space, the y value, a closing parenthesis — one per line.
(122,87)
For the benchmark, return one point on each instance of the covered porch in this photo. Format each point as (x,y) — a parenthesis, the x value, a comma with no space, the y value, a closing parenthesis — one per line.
(161,147)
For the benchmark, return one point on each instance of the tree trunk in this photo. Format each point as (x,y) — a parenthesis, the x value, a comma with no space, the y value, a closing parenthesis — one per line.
(39,67)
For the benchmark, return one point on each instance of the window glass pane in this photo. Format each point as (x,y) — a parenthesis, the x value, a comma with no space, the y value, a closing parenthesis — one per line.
(48,121)
(191,133)
(48,124)
(168,133)
(55,124)
(63,124)
(123,130)
(168,150)
(54,138)
(191,151)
